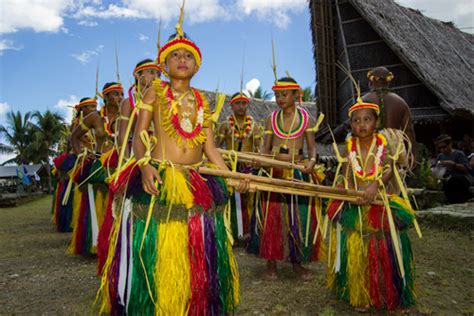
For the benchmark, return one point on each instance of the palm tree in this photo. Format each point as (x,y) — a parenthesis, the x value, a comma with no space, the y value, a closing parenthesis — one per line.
(260,94)
(17,134)
(307,95)
(46,136)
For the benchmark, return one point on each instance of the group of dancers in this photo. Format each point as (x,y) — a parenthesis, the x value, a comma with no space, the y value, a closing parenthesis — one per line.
(143,186)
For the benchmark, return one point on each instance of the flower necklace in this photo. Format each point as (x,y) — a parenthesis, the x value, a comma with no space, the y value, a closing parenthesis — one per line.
(108,122)
(277,124)
(182,129)
(239,134)
(354,152)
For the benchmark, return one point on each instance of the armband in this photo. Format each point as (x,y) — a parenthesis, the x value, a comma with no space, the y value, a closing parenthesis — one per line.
(83,126)
(124,118)
(268,132)
(144,106)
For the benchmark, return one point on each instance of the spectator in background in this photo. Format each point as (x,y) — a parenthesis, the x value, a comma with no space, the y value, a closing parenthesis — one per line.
(465,145)
(453,167)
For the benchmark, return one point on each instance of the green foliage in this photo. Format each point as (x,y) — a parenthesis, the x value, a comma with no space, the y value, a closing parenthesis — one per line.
(307,95)
(260,94)
(31,137)
(423,176)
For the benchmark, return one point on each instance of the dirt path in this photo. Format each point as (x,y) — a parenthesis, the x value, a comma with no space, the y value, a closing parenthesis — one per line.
(39,277)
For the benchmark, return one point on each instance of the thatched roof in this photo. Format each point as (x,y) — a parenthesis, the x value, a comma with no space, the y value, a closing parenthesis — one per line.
(438,53)
(432,60)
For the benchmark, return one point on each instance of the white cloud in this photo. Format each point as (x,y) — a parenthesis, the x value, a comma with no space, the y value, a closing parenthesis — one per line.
(8,44)
(461,12)
(252,85)
(196,10)
(39,15)
(65,106)
(4,108)
(86,56)
(142,37)
(88,23)
(276,11)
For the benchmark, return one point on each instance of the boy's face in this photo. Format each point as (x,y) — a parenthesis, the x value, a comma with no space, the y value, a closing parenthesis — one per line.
(285,98)
(89,108)
(145,77)
(113,98)
(444,148)
(240,108)
(180,64)
(363,122)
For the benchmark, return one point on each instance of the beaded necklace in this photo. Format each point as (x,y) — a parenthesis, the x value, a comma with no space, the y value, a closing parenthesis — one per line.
(277,124)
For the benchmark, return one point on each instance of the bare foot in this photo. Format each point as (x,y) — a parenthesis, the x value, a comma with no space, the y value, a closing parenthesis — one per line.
(303,273)
(362,309)
(271,271)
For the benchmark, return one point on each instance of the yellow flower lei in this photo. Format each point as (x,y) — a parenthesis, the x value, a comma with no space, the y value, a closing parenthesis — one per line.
(168,112)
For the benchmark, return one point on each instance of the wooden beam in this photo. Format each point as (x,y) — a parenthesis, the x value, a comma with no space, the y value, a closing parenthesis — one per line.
(365,43)
(344,45)
(386,66)
(352,21)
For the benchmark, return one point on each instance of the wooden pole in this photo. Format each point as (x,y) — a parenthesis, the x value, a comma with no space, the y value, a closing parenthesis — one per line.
(259,159)
(286,186)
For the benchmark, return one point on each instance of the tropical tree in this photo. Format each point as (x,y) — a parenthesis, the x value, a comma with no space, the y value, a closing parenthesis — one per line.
(260,94)
(16,137)
(46,136)
(307,95)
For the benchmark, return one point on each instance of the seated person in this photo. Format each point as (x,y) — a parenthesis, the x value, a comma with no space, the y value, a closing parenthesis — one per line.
(453,167)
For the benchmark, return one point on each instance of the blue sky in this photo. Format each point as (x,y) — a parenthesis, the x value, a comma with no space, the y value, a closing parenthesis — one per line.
(49,49)
(51,69)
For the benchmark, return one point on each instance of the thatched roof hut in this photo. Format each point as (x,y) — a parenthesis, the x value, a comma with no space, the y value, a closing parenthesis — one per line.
(432,62)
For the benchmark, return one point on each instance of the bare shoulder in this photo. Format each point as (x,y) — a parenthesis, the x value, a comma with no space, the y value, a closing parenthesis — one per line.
(150,96)
(396,100)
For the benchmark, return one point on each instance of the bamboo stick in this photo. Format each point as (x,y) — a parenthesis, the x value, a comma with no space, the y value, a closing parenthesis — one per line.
(265,161)
(253,186)
(290,187)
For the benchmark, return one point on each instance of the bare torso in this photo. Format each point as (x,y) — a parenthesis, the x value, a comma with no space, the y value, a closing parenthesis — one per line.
(166,147)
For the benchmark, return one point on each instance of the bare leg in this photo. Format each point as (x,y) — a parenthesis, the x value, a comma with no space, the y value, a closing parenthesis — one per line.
(303,273)
(271,271)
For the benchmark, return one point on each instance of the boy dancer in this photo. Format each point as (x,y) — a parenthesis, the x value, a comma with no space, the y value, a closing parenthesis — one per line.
(241,133)
(180,260)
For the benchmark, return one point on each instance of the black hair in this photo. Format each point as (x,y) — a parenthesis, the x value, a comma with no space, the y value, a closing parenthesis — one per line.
(443,138)
(287,79)
(172,36)
(144,61)
(234,95)
(81,108)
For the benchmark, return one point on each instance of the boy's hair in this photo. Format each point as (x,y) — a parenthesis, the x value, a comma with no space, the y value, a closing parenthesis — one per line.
(287,79)
(443,138)
(235,94)
(172,36)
